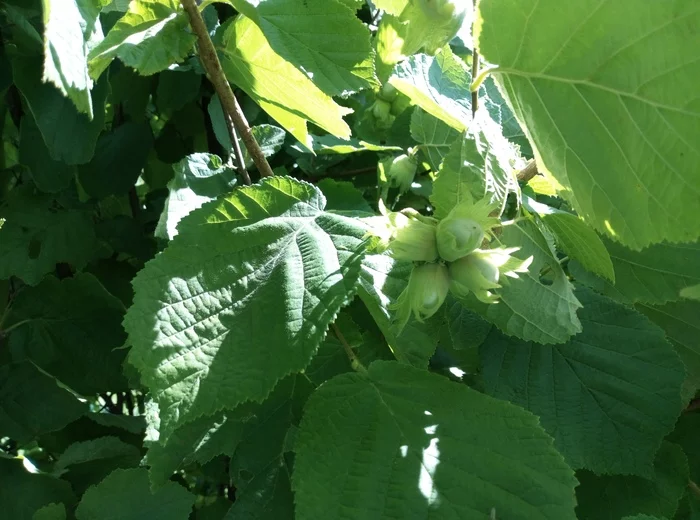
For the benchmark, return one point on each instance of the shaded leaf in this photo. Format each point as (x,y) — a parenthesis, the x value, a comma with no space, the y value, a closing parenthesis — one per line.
(399,442)
(608,396)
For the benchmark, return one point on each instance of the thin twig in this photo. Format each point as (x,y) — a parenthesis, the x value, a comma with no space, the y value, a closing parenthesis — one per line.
(229,103)
(475,73)
(354,360)
(527,173)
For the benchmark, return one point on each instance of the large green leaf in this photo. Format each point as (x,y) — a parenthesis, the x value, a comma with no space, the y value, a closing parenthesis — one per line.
(399,442)
(125,494)
(439,85)
(37,235)
(283,91)
(435,136)
(23,493)
(69,136)
(119,158)
(339,59)
(31,403)
(479,165)
(70,27)
(199,178)
(381,282)
(608,396)
(72,330)
(602,88)
(151,36)
(528,308)
(241,297)
(612,497)
(49,175)
(680,322)
(655,275)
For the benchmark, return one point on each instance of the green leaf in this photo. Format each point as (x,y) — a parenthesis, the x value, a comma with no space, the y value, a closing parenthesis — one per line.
(680,322)
(466,329)
(261,467)
(176,88)
(125,494)
(49,175)
(22,493)
(399,442)
(36,236)
(643,517)
(199,178)
(502,114)
(72,330)
(381,282)
(620,372)
(393,7)
(243,294)
(528,308)
(612,497)
(198,441)
(603,93)
(31,403)
(480,164)
(579,241)
(150,37)
(70,28)
(439,85)
(344,197)
(654,275)
(435,136)
(328,144)
(50,512)
(112,171)
(87,462)
(283,91)
(339,58)
(69,136)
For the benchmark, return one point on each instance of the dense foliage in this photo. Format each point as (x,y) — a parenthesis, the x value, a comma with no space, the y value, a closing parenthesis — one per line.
(464,282)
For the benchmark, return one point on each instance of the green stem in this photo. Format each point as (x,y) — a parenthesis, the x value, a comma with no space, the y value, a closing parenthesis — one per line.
(5,332)
(476,82)
(475,72)
(354,360)
(215,73)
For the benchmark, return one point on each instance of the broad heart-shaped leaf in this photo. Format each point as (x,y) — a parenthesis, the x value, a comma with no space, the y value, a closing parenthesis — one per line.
(654,275)
(69,27)
(615,496)
(680,322)
(37,235)
(435,136)
(400,442)
(72,330)
(49,175)
(241,297)
(199,178)
(69,136)
(528,308)
(283,91)
(119,158)
(580,241)
(125,493)
(439,85)
(150,37)
(31,403)
(23,493)
(603,93)
(608,396)
(381,282)
(339,58)
(481,164)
